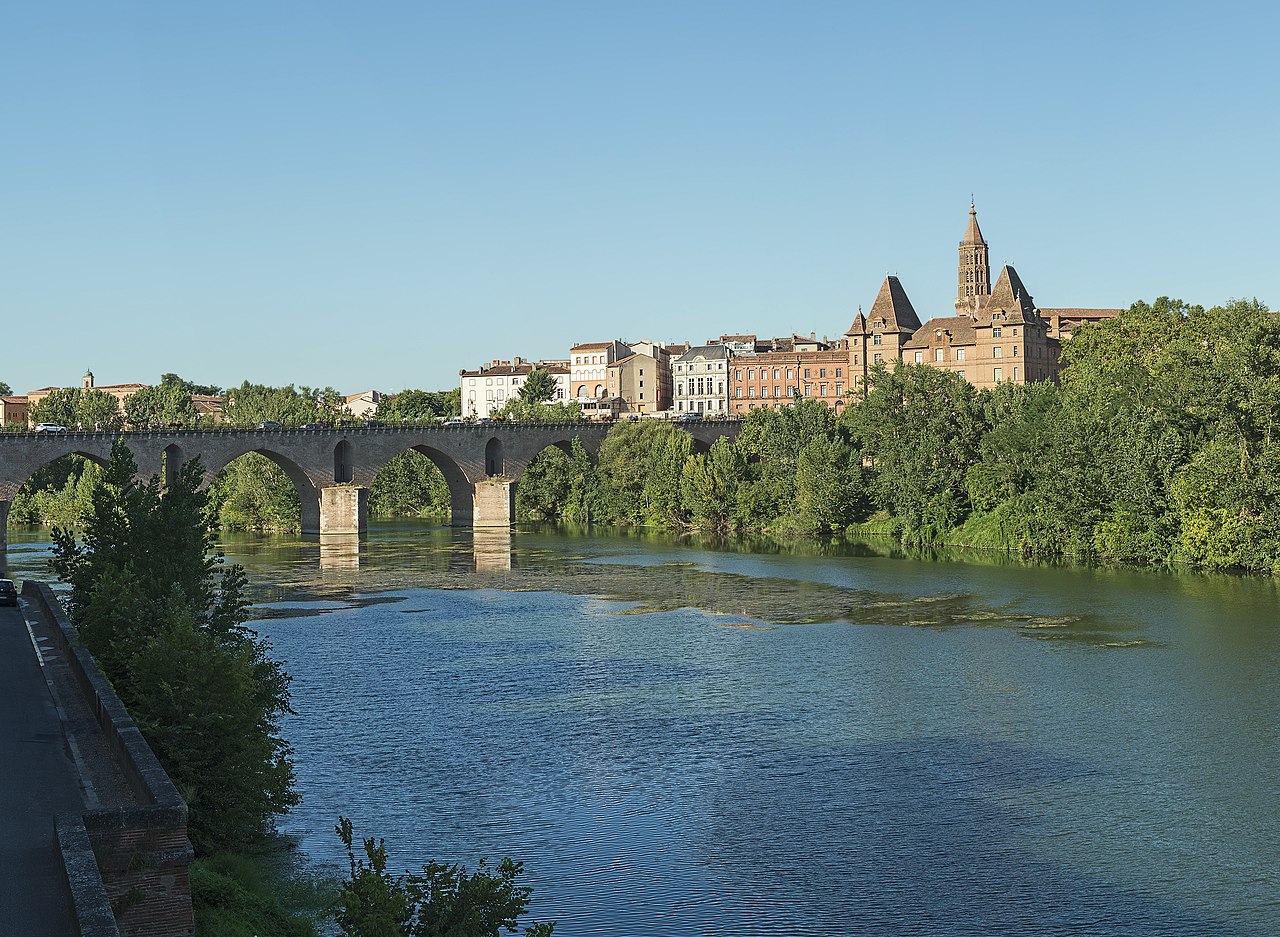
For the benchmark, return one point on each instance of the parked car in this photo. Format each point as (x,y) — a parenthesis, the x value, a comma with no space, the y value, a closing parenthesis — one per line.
(270,424)
(313,426)
(455,421)
(50,428)
(373,424)
(8,592)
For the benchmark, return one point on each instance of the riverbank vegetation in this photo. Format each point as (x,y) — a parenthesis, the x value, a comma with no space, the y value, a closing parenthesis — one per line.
(1161,446)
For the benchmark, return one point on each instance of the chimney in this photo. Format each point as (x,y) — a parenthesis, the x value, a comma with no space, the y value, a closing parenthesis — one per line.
(517,360)
(813,336)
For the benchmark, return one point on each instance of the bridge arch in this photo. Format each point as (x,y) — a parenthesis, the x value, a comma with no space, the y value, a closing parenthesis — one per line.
(308,492)
(9,488)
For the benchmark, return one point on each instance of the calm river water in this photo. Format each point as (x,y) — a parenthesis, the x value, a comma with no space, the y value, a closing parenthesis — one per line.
(681,740)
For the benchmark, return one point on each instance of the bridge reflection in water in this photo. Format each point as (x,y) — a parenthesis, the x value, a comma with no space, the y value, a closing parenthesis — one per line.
(480,550)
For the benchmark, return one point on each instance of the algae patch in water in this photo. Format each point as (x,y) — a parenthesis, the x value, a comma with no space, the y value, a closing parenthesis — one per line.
(749,603)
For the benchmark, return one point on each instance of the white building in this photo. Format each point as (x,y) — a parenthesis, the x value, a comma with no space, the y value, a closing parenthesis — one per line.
(701,380)
(363,406)
(489,388)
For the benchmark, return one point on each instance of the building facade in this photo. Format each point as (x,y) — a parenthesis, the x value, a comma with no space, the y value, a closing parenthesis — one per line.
(701,380)
(13,410)
(488,388)
(776,379)
(636,385)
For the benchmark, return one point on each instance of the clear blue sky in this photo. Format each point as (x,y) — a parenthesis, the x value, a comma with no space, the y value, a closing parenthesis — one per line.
(377,194)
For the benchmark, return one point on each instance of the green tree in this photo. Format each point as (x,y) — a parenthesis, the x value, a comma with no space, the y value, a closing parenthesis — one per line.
(250,404)
(164,404)
(254,493)
(442,901)
(164,617)
(420,406)
(5,389)
(539,387)
(410,485)
(519,410)
(919,427)
(172,380)
(61,406)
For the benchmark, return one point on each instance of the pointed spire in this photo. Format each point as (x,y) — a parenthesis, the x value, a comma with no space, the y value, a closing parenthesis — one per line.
(973,234)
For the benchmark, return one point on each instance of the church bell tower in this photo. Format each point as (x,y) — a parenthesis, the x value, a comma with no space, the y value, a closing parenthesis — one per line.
(975,269)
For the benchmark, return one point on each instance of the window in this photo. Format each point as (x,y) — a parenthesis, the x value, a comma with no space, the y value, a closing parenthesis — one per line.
(822,390)
(775,374)
(488,381)
(737,392)
(997,352)
(764,391)
(822,372)
(1015,373)
(642,372)
(1015,351)
(961,373)
(839,371)
(999,375)
(839,390)
(877,361)
(680,390)
(1015,333)
(790,374)
(777,391)
(680,405)
(751,374)
(875,339)
(808,390)
(806,372)
(995,331)
(751,391)
(855,359)
(919,357)
(471,382)
(737,374)
(937,354)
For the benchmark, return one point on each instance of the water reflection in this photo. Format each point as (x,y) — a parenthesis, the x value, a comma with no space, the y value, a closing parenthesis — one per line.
(340,551)
(491,549)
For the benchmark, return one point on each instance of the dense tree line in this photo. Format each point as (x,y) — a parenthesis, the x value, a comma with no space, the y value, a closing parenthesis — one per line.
(1162,445)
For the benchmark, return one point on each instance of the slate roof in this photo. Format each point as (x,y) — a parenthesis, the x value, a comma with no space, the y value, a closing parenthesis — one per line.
(894,307)
(710,352)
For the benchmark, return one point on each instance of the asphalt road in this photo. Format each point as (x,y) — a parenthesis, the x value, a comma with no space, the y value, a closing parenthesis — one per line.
(37,780)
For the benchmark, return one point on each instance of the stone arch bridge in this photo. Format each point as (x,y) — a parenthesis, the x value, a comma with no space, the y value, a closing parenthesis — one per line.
(332,469)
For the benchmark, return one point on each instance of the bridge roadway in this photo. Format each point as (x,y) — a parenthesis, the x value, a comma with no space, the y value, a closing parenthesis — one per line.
(332,469)
(38,781)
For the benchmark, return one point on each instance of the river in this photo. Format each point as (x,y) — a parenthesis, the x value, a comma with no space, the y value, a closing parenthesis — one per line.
(698,739)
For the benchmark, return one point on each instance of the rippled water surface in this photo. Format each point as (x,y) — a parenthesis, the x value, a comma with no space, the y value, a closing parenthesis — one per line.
(688,741)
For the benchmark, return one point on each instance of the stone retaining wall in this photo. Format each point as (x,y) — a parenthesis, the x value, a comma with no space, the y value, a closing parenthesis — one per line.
(142,852)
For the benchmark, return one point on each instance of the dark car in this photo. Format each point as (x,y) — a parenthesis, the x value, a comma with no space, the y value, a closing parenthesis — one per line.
(270,424)
(8,592)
